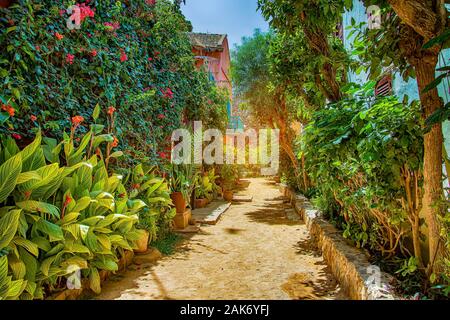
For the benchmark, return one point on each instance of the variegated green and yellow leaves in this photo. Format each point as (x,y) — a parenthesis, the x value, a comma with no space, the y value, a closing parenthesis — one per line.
(9,289)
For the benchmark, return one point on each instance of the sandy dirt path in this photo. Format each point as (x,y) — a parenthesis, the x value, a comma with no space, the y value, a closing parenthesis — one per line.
(258,250)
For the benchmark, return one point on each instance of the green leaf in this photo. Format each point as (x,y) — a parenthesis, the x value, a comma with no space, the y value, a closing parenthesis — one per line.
(441,39)
(30,246)
(29,150)
(9,173)
(94,281)
(50,229)
(9,223)
(41,207)
(27,176)
(96,112)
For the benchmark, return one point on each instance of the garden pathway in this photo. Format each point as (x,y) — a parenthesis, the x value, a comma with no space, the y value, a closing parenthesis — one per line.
(258,250)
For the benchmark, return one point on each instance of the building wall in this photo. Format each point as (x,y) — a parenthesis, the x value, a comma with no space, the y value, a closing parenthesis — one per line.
(400,87)
(219,68)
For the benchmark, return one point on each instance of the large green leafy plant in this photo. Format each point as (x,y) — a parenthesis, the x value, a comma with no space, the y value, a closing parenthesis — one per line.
(364,156)
(57,219)
(158,214)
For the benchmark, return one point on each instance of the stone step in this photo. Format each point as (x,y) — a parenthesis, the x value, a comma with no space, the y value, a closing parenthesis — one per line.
(211,214)
(242,198)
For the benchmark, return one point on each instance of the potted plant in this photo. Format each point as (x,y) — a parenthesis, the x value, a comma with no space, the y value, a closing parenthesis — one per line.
(228,174)
(181,185)
(153,190)
(202,192)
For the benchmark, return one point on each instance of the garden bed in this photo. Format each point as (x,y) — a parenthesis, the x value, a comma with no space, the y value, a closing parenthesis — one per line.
(358,277)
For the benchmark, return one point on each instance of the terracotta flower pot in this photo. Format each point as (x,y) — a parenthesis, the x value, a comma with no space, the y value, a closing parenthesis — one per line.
(142,243)
(228,195)
(201,203)
(178,201)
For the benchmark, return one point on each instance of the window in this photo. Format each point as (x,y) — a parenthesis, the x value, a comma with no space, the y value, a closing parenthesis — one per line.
(384,86)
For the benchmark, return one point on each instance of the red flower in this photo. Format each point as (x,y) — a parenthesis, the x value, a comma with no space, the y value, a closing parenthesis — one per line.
(136,186)
(150,2)
(161,116)
(115,142)
(123,56)
(150,59)
(10,110)
(70,58)
(77,120)
(16,136)
(94,53)
(59,36)
(111,110)
(67,201)
(33,118)
(38,48)
(62,12)
(162,155)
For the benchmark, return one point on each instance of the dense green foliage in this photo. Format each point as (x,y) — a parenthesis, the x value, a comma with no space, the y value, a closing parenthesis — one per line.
(360,154)
(57,219)
(132,55)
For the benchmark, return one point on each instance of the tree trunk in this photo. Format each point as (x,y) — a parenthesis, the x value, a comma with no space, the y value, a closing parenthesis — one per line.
(433,140)
(422,16)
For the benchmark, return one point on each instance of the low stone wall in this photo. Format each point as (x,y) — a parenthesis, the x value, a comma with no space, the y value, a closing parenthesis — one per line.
(360,279)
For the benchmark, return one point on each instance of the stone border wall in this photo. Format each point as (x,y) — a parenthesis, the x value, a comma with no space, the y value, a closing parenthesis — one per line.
(360,279)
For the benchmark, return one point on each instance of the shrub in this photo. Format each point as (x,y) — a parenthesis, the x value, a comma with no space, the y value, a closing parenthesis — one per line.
(364,156)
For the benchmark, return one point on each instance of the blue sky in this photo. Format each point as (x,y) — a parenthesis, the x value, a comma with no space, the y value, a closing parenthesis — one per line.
(237,18)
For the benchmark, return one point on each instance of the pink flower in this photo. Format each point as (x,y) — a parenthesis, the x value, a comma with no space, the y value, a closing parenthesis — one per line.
(70,58)
(62,12)
(168,93)
(161,116)
(112,26)
(150,2)
(85,11)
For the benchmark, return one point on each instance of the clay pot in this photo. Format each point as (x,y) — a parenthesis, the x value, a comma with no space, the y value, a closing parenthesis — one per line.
(5,3)
(142,243)
(178,201)
(228,195)
(201,203)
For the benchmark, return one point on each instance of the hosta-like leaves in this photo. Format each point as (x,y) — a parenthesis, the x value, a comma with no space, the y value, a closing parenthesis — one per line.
(30,246)
(17,267)
(41,207)
(107,264)
(29,150)
(50,229)
(27,176)
(94,281)
(9,173)
(46,264)
(69,218)
(82,204)
(8,227)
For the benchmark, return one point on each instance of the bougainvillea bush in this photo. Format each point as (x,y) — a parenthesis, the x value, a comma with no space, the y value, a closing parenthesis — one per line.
(133,56)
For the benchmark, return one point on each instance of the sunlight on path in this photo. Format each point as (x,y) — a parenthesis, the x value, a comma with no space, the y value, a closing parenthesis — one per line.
(258,250)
